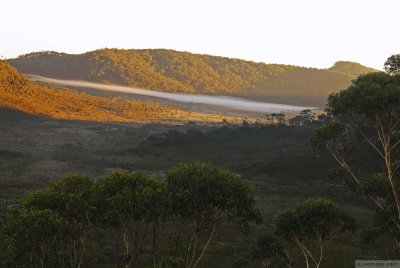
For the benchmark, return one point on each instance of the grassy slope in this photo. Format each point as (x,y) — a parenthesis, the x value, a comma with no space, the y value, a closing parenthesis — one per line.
(193,73)
(19,93)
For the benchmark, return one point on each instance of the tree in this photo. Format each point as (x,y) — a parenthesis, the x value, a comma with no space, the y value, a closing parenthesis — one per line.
(311,224)
(276,118)
(129,202)
(268,248)
(392,65)
(35,236)
(70,199)
(304,117)
(5,252)
(323,118)
(368,110)
(204,198)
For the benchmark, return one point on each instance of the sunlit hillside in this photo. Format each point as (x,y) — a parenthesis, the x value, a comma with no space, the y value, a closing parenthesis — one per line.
(174,71)
(19,93)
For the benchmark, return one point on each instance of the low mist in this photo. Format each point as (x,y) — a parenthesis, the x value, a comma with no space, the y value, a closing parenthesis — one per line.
(224,101)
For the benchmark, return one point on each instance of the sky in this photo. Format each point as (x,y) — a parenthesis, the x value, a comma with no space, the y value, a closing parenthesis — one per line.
(310,33)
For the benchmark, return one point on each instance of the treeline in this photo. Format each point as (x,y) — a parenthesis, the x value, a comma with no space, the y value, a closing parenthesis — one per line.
(126,219)
(130,219)
(174,71)
(19,93)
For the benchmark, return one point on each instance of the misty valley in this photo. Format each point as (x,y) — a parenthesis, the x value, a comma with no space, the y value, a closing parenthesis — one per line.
(228,102)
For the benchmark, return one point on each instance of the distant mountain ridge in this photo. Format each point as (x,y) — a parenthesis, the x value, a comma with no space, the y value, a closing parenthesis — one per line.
(174,71)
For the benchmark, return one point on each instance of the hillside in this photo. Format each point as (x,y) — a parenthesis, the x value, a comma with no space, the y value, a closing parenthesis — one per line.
(19,93)
(174,71)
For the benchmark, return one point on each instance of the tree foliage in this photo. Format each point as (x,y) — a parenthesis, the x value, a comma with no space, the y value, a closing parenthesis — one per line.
(268,248)
(205,198)
(303,118)
(313,222)
(367,112)
(70,199)
(392,64)
(56,226)
(129,202)
(35,235)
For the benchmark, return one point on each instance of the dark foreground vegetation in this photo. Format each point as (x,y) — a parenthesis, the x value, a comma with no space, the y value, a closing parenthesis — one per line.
(143,221)
(274,161)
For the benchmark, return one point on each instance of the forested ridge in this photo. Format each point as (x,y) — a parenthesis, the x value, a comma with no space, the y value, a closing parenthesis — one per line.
(174,71)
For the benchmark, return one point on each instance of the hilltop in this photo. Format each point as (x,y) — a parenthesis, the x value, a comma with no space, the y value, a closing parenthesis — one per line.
(19,93)
(174,71)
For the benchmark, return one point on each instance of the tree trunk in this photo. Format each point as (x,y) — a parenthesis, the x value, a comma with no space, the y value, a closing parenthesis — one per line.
(156,246)
(127,255)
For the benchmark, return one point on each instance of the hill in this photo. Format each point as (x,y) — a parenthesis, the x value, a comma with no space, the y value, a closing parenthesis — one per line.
(19,93)
(173,71)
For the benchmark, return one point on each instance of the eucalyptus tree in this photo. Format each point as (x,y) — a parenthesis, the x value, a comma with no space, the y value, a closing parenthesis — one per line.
(392,64)
(368,111)
(269,248)
(204,198)
(35,236)
(311,224)
(4,241)
(70,199)
(129,202)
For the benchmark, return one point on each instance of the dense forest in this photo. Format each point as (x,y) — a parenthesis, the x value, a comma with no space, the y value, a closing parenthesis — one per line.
(19,93)
(169,70)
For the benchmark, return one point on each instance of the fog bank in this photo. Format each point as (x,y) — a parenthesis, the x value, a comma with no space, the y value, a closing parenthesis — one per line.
(224,101)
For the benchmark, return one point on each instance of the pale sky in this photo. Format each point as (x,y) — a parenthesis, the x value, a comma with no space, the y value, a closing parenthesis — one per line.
(311,33)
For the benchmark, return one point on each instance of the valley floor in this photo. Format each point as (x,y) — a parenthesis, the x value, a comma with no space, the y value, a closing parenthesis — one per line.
(275,160)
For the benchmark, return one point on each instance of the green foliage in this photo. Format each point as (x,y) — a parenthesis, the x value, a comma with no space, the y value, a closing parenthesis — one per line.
(206,198)
(267,245)
(200,192)
(303,118)
(313,222)
(392,64)
(69,199)
(331,136)
(53,227)
(129,202)
(376,185)
(123,196)
(368,95)
(370,106)
(312,218)
(269,248)
(35,235)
